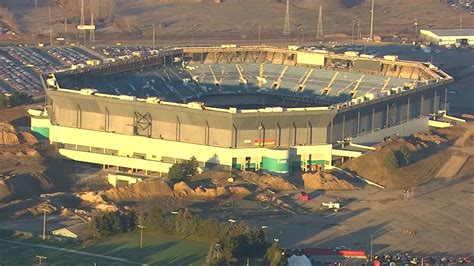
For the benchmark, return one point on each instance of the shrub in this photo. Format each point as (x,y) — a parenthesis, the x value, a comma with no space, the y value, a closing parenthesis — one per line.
(405,156)
(274,256)
(391,160)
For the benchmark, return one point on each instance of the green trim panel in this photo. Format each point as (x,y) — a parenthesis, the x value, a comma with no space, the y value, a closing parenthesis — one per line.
(40,132)
(275,165)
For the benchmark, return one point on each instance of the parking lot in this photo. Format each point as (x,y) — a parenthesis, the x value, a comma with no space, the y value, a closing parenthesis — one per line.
(17,77)
(68,56)
(20,66)
(124,52)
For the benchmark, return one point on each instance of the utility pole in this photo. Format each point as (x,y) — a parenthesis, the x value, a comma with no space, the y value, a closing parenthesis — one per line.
(353,29)
(44,223)
(287,29)
(36,3)
(65,25)
(372,21)
(50,27)
(40,259)
(92,37)
(154,35)
(460,22)
(83,21)
(141,235)
(302,36)
(371,246)
(319,29)
(359,33)
(259,34)
(416,29)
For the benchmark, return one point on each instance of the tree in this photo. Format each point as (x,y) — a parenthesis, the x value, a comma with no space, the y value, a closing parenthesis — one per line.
(191,166)
(176,172)
(180,171)
(19,98)
(391,160)
(274,256)
(3,101)
(405,156)
(111,223)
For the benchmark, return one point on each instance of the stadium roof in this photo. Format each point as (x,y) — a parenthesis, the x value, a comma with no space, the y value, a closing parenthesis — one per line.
(453,32)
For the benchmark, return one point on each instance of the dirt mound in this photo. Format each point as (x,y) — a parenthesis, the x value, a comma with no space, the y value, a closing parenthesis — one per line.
(182,189)
(24,186)
(325,181)
(240,192)
(426,151)
(430,137)
(29,138)
(8,135)
(269,181)
(92,197)
(140,190)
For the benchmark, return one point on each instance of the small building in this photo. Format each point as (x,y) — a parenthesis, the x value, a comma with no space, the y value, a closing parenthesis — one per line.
(448,37)
(76,232)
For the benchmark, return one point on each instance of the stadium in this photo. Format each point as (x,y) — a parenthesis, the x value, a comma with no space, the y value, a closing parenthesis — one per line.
(254,108)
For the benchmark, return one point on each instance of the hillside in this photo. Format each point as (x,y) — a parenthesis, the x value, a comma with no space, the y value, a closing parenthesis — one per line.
(426,151)
(239,20)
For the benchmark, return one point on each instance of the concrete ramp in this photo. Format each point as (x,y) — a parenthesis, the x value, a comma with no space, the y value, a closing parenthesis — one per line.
(452,167)
(346,153)
(438,124)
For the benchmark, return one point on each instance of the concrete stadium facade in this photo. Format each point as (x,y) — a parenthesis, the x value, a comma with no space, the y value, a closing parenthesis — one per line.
(151,134)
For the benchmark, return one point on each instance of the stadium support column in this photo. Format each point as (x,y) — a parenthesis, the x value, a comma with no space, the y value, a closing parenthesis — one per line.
(358,123)
(387,116)
(234,136)
(436,102)
(343,127)
(331,138)
(178,129)
(421,105)
(408,108)
(373,118)
(446,100)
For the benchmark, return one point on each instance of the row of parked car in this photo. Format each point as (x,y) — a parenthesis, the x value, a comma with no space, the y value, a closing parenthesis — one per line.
(121,51)
(17,77)
(32,58)
(67,55)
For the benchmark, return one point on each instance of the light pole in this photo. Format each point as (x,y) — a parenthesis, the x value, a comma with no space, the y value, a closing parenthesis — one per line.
(372,21)
(44,223)
(371,246)
(259,34)
(40,259)
(302,36)
(154,35)
(141,235)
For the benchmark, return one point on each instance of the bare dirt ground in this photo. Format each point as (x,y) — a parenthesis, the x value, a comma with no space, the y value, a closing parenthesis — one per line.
(437,222)
(239,20)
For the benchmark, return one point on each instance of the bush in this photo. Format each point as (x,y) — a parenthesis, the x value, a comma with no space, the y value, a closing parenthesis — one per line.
(176,172)
(19,98)
(106,224)
(3,101)
(181,171)
(391,160)
(231,241)
(274,256)
(404,156)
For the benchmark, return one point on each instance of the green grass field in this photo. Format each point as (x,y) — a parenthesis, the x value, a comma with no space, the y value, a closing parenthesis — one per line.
(157,250)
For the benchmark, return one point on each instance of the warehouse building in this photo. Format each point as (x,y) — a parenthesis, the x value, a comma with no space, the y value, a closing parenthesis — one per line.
(242,108)
(449,37)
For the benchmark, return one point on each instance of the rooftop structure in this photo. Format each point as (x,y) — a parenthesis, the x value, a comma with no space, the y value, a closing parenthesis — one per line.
(449,36)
